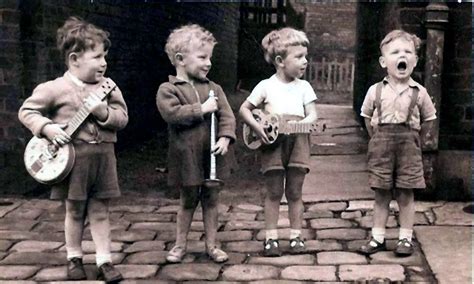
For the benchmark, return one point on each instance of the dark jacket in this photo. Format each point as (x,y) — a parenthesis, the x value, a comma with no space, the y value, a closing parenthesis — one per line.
(189,130)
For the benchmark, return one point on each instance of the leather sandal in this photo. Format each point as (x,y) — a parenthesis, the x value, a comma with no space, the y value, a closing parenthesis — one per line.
(217,255)
(176,254)
(404,248)
(297,245)
(372,246)
(271,248)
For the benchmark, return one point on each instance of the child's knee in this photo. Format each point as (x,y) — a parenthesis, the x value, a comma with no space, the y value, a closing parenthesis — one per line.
(210,197)
(189,199)
(97,211)
(404,196)
(76,209)
(274,194)
(293,194)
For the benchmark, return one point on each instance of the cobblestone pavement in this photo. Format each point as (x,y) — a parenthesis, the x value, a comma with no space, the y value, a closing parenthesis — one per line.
(32,244)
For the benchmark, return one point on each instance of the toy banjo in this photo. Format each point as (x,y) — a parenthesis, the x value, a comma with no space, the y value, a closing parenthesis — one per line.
(274,125)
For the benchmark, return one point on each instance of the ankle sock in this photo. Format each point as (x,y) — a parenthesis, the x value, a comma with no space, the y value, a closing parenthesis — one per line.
(378,234)
(103,258)
(405,234)
(271,234)
(74,253)
(294,233)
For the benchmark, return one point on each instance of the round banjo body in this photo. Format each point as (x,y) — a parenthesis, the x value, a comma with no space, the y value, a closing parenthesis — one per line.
(47,163)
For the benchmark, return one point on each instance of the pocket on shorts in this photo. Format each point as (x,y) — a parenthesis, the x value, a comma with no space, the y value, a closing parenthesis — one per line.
(416,139)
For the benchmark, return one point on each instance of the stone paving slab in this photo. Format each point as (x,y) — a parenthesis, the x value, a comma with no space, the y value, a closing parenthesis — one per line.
(452,214)
(448,247)
(34,258)
(192,271)
(286,260)
(17,272)
(145,246)
(391,272)
(310,273)
(246,272)
(340,257)
(38,246)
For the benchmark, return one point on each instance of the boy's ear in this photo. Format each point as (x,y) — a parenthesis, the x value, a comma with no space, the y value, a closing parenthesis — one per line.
(278,59)
(73,58)
(382,61)
(178,57)
(416,61)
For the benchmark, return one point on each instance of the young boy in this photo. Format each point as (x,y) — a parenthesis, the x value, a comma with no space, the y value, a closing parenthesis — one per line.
(93,179)
(395,111)
(286,162)
(186,106)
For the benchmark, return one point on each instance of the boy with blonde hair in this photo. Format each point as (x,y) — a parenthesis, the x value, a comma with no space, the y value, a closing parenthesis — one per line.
(396,111)
(186,106)
(285,163)
(93,179)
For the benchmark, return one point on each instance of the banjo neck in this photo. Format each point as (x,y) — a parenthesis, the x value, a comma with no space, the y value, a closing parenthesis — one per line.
(81,115)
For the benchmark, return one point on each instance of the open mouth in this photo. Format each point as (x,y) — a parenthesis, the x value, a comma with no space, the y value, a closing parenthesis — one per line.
(402,66)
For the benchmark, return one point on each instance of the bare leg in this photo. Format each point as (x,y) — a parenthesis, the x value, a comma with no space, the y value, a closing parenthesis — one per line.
(98,214)
(274,192)
(406,202)
(189,198)
(381,207)
(293,192)
(74,227)
(209,202)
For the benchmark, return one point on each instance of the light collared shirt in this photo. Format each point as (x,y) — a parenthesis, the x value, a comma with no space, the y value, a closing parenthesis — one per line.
(395,104)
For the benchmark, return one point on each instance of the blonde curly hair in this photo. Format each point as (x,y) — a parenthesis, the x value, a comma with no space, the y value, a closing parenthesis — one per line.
(181,39)
(276,42)
(396,34)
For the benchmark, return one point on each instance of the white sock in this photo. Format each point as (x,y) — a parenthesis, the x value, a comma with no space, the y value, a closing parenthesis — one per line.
(378,234)
(74,252)
(294,233)
(102,258)
(405,234)
(271,234)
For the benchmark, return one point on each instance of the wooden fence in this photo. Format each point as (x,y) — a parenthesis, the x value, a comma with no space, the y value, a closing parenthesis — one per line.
(333,75)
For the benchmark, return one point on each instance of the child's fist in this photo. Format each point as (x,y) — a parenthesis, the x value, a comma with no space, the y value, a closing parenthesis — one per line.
(210,105)
(56,134)
(96,106)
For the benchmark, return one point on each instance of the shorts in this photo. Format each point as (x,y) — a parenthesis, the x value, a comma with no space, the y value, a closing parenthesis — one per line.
(394,158)
(94,174)
(287,151)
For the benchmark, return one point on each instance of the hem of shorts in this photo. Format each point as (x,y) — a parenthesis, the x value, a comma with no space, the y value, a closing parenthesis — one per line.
(273,168)
(81,198)
(302,166)
(281,168)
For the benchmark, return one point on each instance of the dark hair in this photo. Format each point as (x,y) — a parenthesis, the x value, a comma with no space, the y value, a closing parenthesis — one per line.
(77,35)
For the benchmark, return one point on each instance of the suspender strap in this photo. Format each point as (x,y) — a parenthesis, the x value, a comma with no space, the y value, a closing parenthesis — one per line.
(414,99)
(378,104)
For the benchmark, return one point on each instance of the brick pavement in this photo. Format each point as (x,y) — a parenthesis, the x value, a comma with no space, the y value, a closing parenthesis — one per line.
(32,244)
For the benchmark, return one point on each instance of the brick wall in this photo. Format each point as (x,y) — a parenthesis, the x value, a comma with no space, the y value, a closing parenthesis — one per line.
(137,61)
(330,28)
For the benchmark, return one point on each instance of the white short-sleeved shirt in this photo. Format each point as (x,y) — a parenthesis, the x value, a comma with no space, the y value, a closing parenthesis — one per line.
(282,98)
(395,105)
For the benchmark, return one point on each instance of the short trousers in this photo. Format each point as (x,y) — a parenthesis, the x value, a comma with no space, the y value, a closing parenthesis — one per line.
(395,158)
(287,151)
(94,174)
